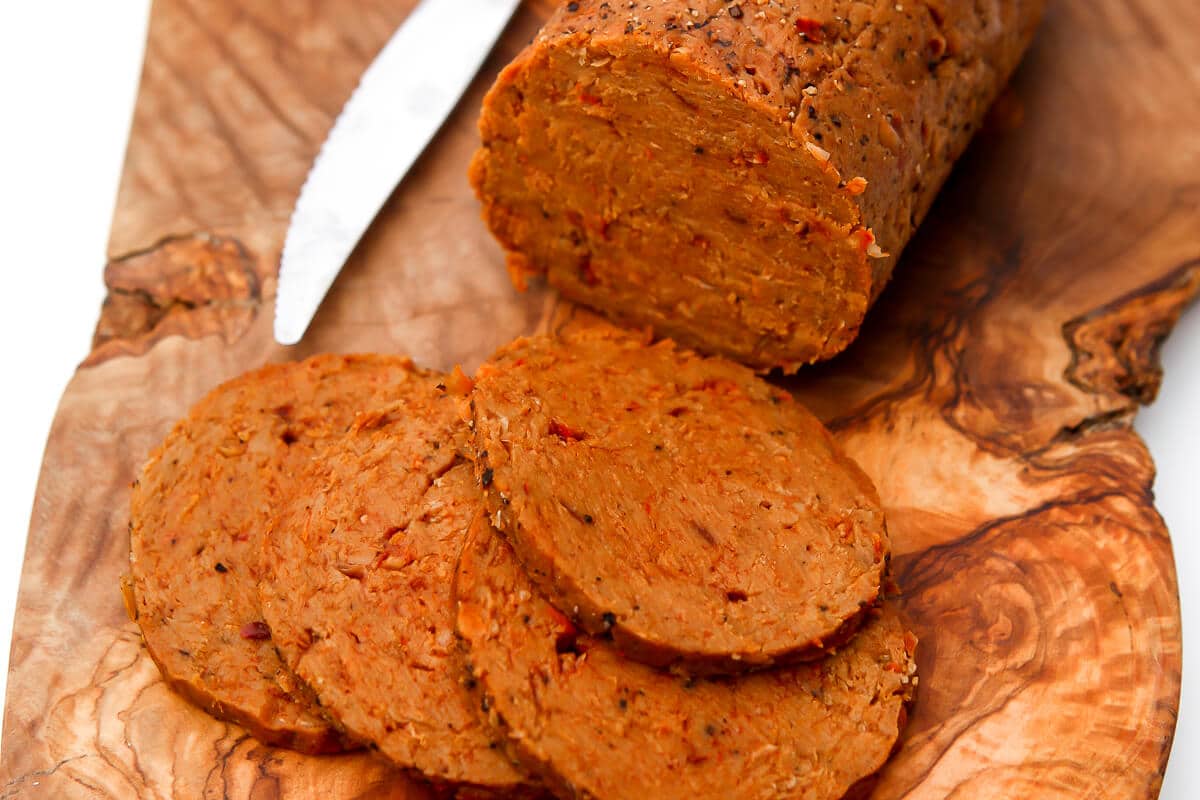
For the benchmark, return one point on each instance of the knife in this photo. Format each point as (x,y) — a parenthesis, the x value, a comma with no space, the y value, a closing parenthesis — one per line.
(400,104)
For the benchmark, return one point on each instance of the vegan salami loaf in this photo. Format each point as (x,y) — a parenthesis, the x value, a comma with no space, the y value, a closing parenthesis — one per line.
(596,725)
(202,502)
(678,503)
(739,175)
(356,587)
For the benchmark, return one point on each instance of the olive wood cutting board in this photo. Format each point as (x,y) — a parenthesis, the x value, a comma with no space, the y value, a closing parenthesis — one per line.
(990,397)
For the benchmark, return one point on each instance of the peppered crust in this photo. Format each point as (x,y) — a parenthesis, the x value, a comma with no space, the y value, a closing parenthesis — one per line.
(741,176)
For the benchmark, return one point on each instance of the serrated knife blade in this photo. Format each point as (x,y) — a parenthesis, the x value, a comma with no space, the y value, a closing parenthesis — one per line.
(400,104)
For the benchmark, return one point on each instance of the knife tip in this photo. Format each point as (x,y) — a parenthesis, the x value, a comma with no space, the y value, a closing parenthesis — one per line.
(287,335)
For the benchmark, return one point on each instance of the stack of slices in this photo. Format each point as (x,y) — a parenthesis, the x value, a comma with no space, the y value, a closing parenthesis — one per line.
(604,568)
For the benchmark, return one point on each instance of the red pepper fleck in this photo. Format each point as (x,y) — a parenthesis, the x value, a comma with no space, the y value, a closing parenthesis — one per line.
(588,98)
(864,238)
(892,666)
(563,431)
(757,157)
(587,274)
(811,29)
(856,186)
(562,621)
(256,630)
(458,382)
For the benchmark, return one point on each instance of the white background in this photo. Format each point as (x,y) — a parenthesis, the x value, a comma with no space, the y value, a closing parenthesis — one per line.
(68,79)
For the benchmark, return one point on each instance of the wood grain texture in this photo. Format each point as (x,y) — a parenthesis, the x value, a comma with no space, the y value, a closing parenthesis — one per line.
(990,397)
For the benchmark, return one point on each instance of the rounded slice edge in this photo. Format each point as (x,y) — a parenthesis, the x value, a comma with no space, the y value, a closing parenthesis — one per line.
(356,587)
(595,724)
(203,499)
(698,514)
